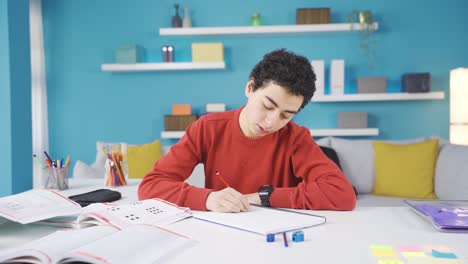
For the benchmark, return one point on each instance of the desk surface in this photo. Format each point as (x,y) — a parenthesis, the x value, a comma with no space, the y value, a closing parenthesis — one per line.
(345,238)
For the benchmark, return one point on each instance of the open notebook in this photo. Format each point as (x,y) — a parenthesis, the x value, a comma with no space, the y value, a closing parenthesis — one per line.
(445,215)
(263,220)
(101,244)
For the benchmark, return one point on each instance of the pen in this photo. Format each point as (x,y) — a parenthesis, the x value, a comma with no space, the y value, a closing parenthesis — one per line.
(285,238)
(217,173)
(47,155)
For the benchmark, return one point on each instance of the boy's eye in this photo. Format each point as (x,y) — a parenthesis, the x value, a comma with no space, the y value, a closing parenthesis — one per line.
(267,107)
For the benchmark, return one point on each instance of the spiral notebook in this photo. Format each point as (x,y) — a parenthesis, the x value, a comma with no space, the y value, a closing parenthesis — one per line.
(445,215)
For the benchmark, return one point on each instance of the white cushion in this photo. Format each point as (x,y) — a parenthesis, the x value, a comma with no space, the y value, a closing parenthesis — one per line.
(451,174)
(82,170)
(324,142)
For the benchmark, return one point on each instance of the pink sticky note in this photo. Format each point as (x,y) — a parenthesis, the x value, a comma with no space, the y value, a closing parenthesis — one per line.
(409,248)
(438,248)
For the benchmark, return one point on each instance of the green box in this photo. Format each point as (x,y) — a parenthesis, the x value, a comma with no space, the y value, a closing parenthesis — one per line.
(130,54)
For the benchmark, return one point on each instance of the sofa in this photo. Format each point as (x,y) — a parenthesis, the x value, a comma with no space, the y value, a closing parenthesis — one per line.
(444,167)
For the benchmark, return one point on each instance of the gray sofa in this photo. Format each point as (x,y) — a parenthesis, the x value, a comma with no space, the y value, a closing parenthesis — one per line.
(357,162)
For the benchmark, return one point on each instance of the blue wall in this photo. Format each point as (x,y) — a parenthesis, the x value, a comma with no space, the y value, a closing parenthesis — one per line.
(15,81)
(86,105)
(5,113)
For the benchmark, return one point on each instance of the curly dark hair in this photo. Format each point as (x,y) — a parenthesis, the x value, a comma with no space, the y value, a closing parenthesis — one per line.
(288,70)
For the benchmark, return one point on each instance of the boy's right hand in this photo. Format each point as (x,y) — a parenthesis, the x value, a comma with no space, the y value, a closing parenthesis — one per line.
(227,200)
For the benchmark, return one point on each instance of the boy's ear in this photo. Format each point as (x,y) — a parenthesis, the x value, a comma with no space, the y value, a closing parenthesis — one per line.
(248,88)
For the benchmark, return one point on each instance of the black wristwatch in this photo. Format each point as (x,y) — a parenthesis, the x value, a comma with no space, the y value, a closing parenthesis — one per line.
(264,192)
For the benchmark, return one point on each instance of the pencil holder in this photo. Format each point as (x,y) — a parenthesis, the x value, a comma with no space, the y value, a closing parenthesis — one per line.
(116,165)
(56,178)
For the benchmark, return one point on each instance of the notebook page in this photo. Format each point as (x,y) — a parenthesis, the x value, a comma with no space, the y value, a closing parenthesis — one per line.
(53,246)
(35,205)
(147,244)
(261,220)
(152,211)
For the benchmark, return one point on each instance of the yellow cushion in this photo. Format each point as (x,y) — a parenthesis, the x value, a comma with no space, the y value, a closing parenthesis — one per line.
(405,170)
(141,158)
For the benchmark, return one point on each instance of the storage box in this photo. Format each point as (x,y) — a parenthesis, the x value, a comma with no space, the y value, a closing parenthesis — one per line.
(372,85)
(178,123)
(130,54)
(181,109)
(208,52)
(312,16)
(352,119)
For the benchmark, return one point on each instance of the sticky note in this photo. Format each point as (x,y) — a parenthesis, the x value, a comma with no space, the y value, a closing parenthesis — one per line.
(439,254)
(381,247)
(437,247)
(390,261)
(409,248)
(384,254)
(413,254)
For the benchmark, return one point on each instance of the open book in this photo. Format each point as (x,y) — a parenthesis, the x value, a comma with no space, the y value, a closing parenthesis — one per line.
(35,205)
(101,244)
(445,215)
(51,208)
(152,212)
(263,220)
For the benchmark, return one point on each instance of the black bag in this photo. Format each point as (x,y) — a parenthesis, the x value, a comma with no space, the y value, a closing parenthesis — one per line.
(97,196)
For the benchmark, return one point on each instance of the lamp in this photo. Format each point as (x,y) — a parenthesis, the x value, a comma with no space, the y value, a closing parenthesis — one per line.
(459,106)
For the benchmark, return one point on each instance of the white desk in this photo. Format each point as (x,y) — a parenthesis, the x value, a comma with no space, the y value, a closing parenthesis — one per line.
(345,238)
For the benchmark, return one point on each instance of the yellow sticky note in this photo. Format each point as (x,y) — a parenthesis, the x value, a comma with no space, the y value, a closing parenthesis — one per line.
(384,254)
(381,247)
(390,261)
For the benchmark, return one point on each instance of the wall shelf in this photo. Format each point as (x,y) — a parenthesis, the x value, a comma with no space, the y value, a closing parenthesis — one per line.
(343,132)
(245,30)
(163,66)
(379,97)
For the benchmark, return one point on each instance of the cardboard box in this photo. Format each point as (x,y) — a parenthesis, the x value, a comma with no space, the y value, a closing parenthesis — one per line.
(178,123)
(208,52)
(372,85)
(181,109)
(312,16)
(129,54)
(352,119)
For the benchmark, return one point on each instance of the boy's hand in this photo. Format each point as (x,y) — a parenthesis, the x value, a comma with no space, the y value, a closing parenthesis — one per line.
(253,198)
(227,200)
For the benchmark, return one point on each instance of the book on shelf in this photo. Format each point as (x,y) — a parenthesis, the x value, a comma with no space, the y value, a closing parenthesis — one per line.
(101,244)
(263,220)
(445,215)
(50,208)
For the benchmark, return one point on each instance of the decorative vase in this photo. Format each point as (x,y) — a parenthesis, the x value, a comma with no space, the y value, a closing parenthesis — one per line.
(176,20)
(187,22)
(256,20)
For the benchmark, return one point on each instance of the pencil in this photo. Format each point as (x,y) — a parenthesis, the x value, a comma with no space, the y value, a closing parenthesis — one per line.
(285,238)
(40,162)
(217,173)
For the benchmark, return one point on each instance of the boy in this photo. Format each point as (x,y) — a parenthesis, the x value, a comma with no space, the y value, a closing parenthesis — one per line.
(255,154)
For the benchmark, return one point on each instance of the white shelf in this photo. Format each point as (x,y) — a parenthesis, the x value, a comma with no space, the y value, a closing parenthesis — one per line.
(163,66)
(379,97)
(314,132)
(345,132)
(282,29)
(172,134)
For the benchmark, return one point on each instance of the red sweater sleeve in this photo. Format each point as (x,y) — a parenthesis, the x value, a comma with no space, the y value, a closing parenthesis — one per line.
(166,179)
(323,185)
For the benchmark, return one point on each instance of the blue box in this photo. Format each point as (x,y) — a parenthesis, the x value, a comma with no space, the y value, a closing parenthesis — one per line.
(130,54)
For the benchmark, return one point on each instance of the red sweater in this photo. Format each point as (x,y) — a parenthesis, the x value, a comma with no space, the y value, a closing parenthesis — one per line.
(288,159)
